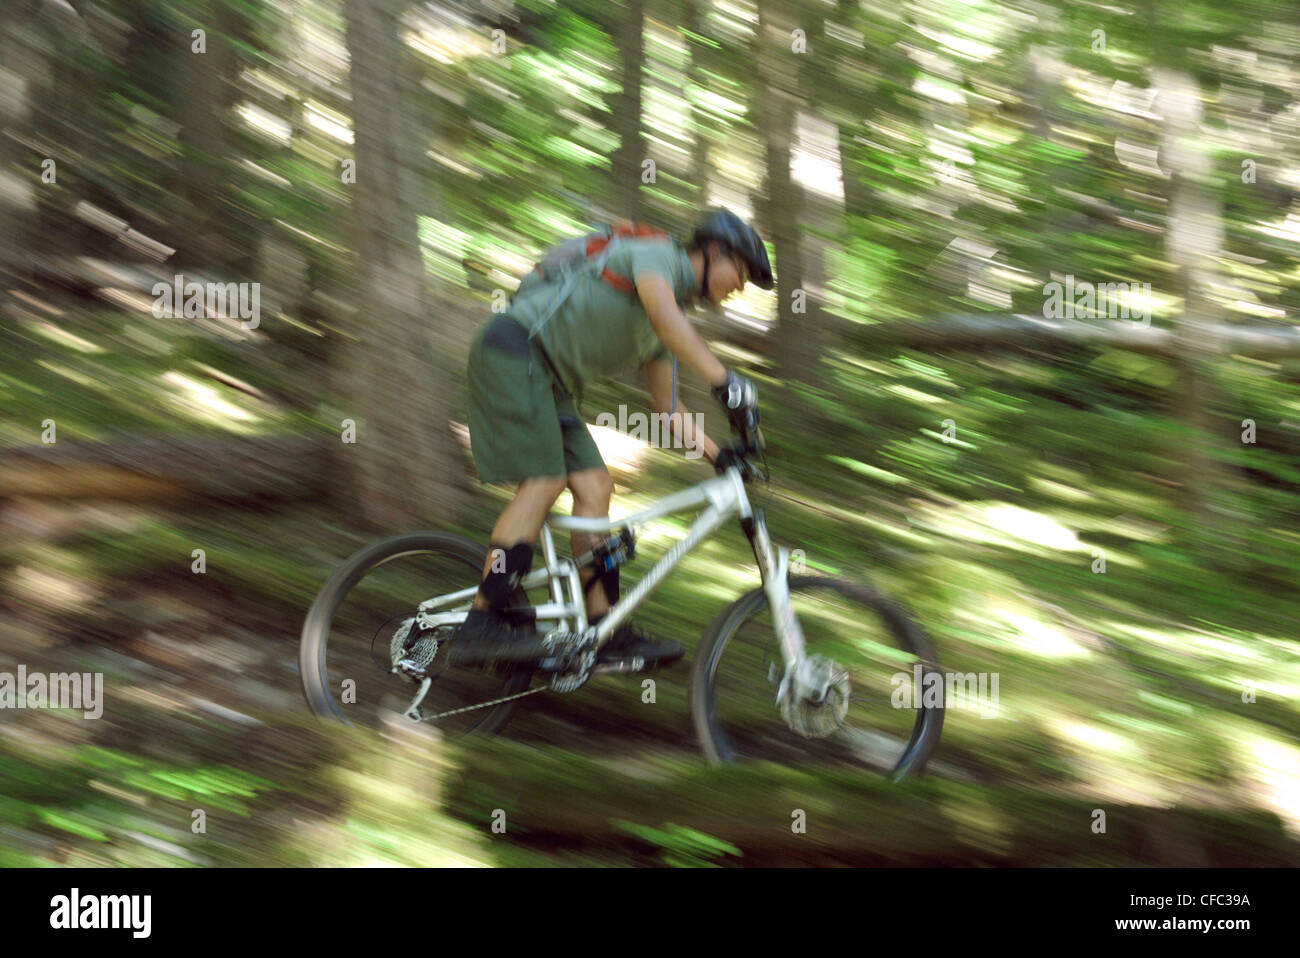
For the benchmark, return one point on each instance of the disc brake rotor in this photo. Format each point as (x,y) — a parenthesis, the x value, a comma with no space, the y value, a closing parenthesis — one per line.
(818,719)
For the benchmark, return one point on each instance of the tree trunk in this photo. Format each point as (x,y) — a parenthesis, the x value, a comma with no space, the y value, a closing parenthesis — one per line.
(24,59)
(405,463)
(701,167)
(781,219)
(213,239)
(850,103)
(1194,238)
(628,34)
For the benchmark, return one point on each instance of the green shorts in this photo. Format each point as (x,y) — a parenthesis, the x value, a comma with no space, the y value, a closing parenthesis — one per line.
(522,423)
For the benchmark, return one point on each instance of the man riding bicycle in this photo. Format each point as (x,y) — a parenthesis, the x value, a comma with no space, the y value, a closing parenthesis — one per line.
(527,365)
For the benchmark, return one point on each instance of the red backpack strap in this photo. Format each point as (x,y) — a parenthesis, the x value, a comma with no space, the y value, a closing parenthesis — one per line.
(618,282)
(628,230)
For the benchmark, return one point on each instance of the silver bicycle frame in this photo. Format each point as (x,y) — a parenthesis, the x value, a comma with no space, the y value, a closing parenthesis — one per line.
(724,497)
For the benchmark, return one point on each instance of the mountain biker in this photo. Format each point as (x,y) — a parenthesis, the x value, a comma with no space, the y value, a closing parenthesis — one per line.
(527,368)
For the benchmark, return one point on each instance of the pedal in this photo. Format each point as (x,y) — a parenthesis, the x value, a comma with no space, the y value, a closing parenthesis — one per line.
(620,666)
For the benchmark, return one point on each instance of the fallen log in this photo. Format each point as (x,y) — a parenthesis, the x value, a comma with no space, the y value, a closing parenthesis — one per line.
(150,468)
(577,800)
(1019,331)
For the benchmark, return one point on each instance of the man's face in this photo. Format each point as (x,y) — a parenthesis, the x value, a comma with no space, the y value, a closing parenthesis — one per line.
(726,274)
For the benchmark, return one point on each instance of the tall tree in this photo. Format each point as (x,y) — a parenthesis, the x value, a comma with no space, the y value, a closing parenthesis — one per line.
(1194,241)
(405,462)
(627,29)
(843,87)
(783,218)
(211,78)
(696,22)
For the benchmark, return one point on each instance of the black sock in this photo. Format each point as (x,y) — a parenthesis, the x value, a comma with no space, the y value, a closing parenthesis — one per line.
(499,584)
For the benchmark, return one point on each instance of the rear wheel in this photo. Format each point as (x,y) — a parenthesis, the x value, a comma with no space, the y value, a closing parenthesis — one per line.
(344,655)
(872,648)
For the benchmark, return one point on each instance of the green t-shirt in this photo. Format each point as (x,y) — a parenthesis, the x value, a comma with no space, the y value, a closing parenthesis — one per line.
(599,331)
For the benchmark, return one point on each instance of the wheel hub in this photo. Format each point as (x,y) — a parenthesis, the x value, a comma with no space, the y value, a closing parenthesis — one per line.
(816,703)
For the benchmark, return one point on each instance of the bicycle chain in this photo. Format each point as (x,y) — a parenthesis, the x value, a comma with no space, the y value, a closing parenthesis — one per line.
(484,705)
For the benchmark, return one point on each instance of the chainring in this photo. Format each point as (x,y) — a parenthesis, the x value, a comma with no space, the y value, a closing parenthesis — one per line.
(577,659)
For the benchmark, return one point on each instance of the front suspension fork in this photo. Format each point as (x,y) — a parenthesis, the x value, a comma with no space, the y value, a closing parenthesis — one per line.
(805,679)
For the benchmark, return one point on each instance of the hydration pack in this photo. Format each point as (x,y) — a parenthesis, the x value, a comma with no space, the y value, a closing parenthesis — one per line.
(593,249)
(563,264)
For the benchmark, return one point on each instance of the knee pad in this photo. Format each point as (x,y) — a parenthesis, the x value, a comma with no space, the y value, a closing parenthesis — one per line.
(509,565)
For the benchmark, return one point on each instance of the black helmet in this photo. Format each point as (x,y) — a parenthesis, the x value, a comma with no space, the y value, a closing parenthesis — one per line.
(732,232)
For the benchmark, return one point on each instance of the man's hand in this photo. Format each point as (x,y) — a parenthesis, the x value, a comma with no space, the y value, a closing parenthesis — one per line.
(729,456)
(739,396)
(659,379)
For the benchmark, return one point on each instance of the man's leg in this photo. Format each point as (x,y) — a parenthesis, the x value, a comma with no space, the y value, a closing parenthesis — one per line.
(486,635)
(592,489)
(519,525)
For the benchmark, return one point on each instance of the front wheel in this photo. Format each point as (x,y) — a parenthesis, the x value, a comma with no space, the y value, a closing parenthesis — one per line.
(876,658)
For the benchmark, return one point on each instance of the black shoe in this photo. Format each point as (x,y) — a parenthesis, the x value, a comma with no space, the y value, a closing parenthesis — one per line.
(629,643)
(488,637)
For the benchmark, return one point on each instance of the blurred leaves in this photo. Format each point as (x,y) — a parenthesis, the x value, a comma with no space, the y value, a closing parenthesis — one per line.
(681,847)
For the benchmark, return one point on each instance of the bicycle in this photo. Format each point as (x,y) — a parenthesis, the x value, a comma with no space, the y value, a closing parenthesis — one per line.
(796,711)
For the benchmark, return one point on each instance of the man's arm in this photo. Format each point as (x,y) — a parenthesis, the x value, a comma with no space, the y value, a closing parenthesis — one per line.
(675,330)
(659,379)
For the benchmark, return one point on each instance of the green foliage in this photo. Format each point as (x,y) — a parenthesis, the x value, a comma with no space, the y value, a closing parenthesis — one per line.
(96,794)
(680,847)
